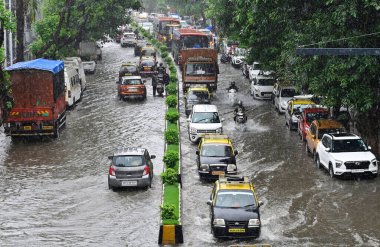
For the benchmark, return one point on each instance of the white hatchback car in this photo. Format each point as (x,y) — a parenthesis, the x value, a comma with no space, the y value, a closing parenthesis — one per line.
(128,39)
(345,153)
(204,119)
(282,96)
(262,86)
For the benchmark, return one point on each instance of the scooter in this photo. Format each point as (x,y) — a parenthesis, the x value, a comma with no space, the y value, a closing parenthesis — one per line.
(232,96)
(240,117)
(160,87)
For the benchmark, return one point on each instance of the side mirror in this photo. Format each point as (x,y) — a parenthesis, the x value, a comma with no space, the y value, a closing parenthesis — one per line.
(153,156)
(327,149)
(110,157)
(209,202)
(260,203)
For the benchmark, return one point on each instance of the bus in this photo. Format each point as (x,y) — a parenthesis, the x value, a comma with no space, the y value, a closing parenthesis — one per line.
(185,38)
(163,29)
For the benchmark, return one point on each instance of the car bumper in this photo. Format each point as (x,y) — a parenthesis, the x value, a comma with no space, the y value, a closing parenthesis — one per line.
(208,175)
(263,95)
(132,182)
(348,172)
(195,137)
(225,232)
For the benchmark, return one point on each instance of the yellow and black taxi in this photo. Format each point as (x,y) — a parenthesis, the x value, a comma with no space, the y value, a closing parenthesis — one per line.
(234,208)
(128,69)
(147,66)
(148,51)
(196,95)
(215,156)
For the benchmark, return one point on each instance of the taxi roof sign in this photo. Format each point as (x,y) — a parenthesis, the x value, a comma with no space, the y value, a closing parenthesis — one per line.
(234,179)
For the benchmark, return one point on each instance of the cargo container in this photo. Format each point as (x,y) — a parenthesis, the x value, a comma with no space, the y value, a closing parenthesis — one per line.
(38,91)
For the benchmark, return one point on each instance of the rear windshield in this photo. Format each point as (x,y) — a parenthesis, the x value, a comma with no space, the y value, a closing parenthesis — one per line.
(288,92)
(147,63)
(129,36)
(216,151)
(128,69)
(131,82)
(311,116)
(193,95)
(266,82)
(127,161)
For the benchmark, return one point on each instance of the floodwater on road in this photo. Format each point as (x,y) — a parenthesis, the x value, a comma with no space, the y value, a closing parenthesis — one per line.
(303,206)
(55,192)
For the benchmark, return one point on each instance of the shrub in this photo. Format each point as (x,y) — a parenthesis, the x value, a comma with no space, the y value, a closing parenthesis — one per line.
(171,101)
(171,158)
(164,55)
(171,136)
(173,79)
(167,212)
(169,176)
(171,89)
(163,48)
(167,60)
(172,68)
(172,115)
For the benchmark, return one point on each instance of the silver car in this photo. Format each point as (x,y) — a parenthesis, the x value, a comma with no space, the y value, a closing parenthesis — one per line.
(130,167)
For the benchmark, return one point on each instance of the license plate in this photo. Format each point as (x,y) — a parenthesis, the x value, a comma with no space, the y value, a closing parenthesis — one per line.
(133,90)
(128,183)
(47,127)
(217,173)
(146,68)
(357,171)
(236,230)
(27,127)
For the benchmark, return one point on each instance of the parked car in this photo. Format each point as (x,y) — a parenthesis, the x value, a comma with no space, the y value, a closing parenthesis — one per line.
(89,67)
(204,119)
(253,70)
(234,208)
(148,26)
(131,87)
(295,107)
(307,116)
(281,97)
(73,90)
(316,131)
(194,96)
(262,86)
(128,39)
(147,66)
(148,51)
(128,69)
(215,156)
(130,167)
(238,57)
(345,154)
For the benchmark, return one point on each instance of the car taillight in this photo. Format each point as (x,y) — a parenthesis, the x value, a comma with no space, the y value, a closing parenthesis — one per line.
(111,171)
(146,170)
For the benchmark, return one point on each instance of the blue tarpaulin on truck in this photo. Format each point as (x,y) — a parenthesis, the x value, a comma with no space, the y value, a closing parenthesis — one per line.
(53,66)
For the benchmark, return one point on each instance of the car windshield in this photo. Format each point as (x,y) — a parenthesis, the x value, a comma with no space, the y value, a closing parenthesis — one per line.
(127,161)
(311,116)
(200,69)
(197,95)
(353,145)
(266,82)
(321,132)
(288,92)
(205,117)
(195,42)
(131,82)
(235,199)
(148,63)
(212,150)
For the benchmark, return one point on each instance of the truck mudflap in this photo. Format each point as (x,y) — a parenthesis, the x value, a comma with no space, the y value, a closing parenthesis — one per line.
(30,127)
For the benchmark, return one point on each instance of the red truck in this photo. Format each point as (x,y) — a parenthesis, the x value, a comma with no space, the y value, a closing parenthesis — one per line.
(38,91)
(200,66)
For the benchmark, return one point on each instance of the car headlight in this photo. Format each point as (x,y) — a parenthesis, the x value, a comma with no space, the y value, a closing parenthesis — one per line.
(254,222)
(231,167)
(338,163)
(204,167)
(219,130)
(219,222)
(193,130)
(374,162)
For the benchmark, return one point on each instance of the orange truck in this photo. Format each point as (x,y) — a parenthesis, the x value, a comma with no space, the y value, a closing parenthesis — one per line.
(200,67)
(38,91)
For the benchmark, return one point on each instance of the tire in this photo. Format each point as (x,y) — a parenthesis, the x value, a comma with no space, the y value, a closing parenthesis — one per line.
(317,162)
(331,171)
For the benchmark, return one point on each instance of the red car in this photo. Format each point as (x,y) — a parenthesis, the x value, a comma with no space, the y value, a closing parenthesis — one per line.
(307,116)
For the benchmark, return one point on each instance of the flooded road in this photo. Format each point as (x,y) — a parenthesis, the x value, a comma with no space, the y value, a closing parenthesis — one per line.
(55,192)
(303,206)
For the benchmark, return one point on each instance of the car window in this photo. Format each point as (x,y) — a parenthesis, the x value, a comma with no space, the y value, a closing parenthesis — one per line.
(127,161)
(147,63)
(131,82)
(355,145)
(324,141)
(288,92)
(234,199)
(266,82)
(216,150)
(311,116)
(205,117)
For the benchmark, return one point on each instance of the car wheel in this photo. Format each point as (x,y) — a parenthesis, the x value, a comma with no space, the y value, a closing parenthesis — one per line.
(317,161)
(331,171)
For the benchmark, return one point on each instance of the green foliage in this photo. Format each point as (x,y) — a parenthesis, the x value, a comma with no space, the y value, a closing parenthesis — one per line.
(168,60)
(172,68)
(164,55)
(171,89)
(173,78)
(169,176)
(163,48)
(171,158)
(171,136)
(167,212)
(172,115)
(171,101)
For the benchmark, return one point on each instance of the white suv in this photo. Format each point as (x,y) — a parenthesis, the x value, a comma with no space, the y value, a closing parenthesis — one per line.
(128,39)
(345,153)
(262,86)
(204,119)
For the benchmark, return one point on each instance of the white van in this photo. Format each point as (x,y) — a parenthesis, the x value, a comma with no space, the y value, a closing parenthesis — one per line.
(73,90)
(77,62)
(204,119)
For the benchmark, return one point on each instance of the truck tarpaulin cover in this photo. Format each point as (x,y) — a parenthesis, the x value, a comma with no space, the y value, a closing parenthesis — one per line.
(53,66)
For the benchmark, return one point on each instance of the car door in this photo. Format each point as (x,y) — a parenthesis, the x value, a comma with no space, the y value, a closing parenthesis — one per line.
(310,141)
(323,154)
(212,199)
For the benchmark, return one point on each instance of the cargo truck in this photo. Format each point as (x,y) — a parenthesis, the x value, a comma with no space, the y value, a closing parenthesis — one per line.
(200,67)
(38,91)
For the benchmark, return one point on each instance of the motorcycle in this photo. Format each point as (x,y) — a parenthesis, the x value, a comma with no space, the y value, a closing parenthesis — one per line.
(225,58)
(232,96)
(240,117)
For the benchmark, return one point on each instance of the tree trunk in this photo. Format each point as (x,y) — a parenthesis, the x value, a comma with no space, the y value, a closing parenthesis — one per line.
(20,30)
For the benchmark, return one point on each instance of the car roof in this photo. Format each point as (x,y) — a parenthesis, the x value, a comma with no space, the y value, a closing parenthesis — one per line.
(134,77)
(327,123)
(216,138)
(147,58)
(343,136)
(129,151)
(264,77)
(235,183)
(315,109)
(303,102)
(205,108)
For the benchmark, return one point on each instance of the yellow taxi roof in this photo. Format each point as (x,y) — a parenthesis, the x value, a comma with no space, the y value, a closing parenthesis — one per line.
(219,141)
(245,186)
(303,102)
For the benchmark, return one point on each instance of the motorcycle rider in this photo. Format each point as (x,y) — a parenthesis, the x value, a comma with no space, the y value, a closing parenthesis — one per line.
(154,85)
(233,86)
(240,108)
(161,69)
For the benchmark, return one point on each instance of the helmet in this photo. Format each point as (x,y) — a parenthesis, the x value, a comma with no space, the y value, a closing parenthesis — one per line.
(240,103)
(160,64)
(233,83)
